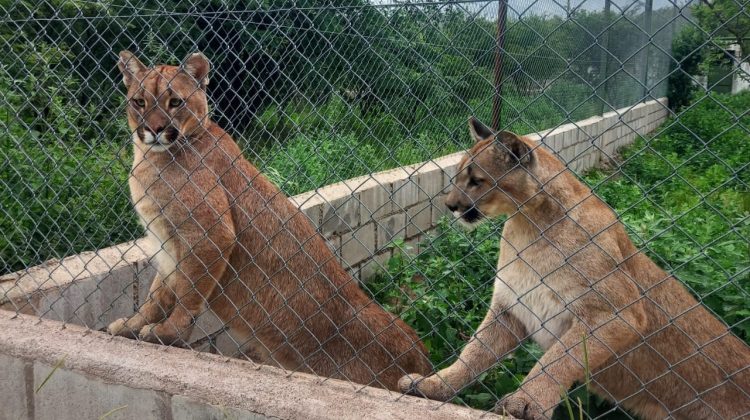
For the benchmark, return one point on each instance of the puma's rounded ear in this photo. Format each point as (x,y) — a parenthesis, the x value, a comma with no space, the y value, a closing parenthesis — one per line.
(129,66)
(197,66)
(478,130)
(512,148)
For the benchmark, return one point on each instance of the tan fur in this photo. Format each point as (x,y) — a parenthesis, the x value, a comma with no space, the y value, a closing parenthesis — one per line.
(229,239)
(566,270)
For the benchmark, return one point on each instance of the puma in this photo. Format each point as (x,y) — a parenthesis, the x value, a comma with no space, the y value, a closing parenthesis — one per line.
(567,277)
(227,239)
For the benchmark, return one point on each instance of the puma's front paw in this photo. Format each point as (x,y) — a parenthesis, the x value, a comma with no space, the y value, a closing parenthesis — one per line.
(124,327)
(433,387)
(523,406)
(164,333)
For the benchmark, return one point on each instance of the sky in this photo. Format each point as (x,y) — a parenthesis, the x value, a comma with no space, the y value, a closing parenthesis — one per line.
(488,9)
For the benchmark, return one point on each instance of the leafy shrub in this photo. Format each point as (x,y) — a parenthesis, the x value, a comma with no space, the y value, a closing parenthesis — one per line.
(64,178)
(65,198)
(687,53)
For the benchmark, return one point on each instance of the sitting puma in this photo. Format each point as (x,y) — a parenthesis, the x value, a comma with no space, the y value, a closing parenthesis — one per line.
(567,270)
(228,238)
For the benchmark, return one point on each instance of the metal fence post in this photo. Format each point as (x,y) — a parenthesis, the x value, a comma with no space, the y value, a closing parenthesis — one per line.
(647,38)
(497,102)
(603,88)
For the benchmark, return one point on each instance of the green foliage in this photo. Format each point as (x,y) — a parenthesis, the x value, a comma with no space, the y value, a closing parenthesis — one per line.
(687,51)
(64,199)
(725,18)
(684,200)
(66,185)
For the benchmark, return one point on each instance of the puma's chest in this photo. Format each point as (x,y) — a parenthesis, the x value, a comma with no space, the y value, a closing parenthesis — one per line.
(529,286)
(156,199)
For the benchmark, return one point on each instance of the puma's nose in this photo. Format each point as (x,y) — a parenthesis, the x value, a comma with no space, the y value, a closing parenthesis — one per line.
(155,130)
(451,207)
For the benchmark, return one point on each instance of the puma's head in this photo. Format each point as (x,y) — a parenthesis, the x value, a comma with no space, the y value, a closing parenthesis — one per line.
(495,176)
(165,103)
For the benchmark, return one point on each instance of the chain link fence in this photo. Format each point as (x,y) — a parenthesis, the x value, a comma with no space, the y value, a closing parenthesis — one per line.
(319,92)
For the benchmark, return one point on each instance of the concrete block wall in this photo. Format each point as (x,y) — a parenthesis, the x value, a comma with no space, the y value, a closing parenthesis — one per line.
(583,144)
(361,217)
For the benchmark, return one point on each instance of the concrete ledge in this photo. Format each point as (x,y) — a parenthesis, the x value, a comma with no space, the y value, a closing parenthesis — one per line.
(98,373)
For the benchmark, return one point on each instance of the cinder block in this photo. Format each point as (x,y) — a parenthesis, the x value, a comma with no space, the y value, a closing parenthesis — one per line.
(184,408)
(431,180)
(145,274)
(206,324)
(375,201)
(93,302)
(572,137)
(389,229)
(567,155)
(608,137)
(311,204)
(581,148)
(14,389)
(449,172)
(340,215)
(334,244)
(554,142)
(418,219)
(406,193)
(70,395)
(594,159)
(358,245)
(373,266)
(314,213)
(439,209)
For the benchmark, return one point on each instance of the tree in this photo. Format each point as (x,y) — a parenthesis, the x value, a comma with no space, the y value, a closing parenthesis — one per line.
(726,18)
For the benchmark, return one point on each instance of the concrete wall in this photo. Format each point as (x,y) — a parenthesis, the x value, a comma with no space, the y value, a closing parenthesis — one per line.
(741,78)
(51,372)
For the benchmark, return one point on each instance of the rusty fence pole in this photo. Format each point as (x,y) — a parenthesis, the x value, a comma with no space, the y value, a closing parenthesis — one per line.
(646,35)
(603,88)
(497,102)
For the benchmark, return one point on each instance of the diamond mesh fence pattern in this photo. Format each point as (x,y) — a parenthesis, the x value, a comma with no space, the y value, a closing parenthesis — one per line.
(637,308)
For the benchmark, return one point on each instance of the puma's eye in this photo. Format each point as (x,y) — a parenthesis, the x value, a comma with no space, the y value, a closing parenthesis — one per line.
(473,182)
(139,102)
(175,102)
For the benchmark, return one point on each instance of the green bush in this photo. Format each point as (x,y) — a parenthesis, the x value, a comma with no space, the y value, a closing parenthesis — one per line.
(64,179)
(687,51)
(65,199)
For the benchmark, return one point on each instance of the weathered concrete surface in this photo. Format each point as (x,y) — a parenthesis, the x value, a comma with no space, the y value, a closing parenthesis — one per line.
(99,373)
(13,391)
